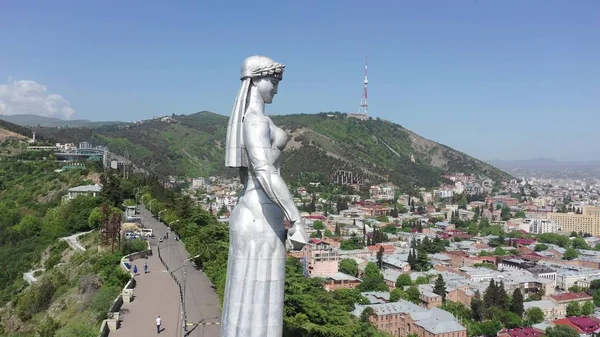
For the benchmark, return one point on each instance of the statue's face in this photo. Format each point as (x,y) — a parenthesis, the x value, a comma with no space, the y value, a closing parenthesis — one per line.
(267,87)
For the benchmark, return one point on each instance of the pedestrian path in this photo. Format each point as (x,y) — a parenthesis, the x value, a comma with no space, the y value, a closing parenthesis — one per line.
(155,294)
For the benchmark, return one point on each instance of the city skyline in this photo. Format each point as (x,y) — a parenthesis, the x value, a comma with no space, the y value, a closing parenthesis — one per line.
(496,81)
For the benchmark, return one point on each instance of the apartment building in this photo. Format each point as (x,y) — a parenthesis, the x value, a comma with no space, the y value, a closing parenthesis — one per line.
(320,259)
(587,222)
(540,226)
(403,318)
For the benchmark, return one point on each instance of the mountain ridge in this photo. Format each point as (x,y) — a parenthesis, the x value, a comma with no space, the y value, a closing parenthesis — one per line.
(543,163)
(36,120)
(320,144)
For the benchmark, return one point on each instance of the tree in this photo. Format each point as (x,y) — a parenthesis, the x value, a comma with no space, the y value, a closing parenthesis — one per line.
(421,280)
(403,281)
(397,294)
(373,280)
(440,287)
(540,247)
(502,297)
(477,308)
(380,257)
(349,266)
(318,225)
(371,270)
(587,308)
(422,261)
(573,309)
(534,315)
(561,331)
(579,243)
(413,294)
(517,303)
(505,214)
(490,296)
(95,218)
(367,314)
(111,188)
(411,259)
(570,254)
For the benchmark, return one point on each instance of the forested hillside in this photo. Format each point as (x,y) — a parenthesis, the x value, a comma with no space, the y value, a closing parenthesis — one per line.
(73,289)
(192,145)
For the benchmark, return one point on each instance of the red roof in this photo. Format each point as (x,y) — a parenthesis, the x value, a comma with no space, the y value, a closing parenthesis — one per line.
(571,296)
(565,321)
(523,332)
(586,324)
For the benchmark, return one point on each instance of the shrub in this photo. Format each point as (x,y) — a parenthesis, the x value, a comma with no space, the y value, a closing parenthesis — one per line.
(102,300)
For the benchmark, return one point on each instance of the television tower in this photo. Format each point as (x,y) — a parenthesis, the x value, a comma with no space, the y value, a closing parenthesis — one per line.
(364,103)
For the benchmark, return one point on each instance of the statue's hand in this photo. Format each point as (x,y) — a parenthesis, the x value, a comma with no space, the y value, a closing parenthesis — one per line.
(296,227)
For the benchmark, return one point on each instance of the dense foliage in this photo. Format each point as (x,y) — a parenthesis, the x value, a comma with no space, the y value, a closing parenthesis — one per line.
(75,287)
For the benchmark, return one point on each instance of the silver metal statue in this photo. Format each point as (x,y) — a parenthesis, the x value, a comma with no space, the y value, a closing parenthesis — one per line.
(253,303)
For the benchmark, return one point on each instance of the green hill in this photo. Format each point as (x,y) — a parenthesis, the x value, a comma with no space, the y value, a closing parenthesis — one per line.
(321,144)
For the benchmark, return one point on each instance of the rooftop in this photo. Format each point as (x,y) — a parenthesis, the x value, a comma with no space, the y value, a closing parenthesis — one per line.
(86,188)
(587,324)
(571,296)
(523,332)
(436,321)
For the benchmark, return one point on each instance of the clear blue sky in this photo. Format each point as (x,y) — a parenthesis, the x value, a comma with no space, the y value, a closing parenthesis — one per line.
(495,79)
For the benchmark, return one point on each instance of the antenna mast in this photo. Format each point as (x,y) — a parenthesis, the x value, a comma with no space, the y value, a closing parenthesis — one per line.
(364,102)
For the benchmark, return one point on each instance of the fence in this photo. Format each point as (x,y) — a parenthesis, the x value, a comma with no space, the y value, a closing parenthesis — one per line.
(112,322)
(181,299)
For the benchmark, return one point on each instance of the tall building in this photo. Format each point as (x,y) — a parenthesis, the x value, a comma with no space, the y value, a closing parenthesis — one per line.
(587,222)
(541,226)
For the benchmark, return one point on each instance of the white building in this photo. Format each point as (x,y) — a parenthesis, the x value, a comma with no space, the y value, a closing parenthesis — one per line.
(443,193)
(540,226)
(91,190)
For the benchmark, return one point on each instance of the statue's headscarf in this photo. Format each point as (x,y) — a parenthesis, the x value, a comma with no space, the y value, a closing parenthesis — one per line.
(252,68)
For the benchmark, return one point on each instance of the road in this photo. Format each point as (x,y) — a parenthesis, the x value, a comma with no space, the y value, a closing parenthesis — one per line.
(202,303)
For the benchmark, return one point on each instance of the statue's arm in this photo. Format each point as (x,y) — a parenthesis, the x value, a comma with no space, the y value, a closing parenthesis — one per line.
(257,139)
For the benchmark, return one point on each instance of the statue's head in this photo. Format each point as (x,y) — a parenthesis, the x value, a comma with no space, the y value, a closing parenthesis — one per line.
(265,75)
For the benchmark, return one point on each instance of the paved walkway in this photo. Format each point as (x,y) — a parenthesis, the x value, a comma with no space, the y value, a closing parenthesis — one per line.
(74,242)
(202,304)
(155,294)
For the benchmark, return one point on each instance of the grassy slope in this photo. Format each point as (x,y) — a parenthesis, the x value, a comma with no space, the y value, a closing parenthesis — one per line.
(379,149)
(32,191)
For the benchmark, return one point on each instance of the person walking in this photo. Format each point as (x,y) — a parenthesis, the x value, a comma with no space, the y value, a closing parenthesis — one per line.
(158,321)
(145,268)
(135,270)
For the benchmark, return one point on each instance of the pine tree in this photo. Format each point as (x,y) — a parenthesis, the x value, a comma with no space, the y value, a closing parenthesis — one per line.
(440,287)
(364,234)
(380,257)
(517,303)
(502,301)
(489,298)
(477,307)
(411,260)
(422,259)
(338,231)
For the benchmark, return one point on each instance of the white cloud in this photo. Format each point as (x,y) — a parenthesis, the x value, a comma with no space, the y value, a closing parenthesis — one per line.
(29,97)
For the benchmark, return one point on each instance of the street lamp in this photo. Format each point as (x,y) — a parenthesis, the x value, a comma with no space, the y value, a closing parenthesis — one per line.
(159,222)
(183,316)
(150,203)
(169,242)
(137,200)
